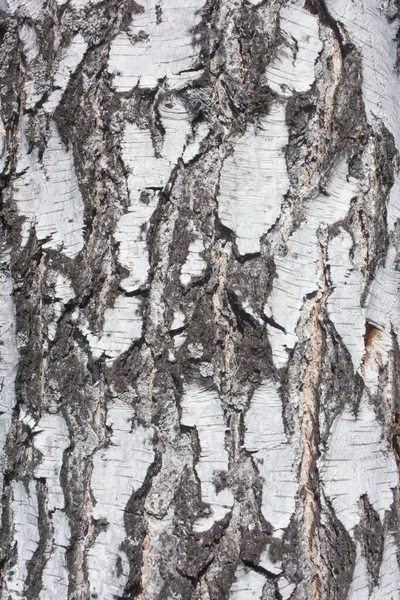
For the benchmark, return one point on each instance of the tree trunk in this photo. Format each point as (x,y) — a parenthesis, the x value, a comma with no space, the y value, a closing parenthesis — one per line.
(200,308)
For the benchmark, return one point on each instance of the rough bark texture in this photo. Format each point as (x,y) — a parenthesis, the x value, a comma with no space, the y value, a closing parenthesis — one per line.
(199,299)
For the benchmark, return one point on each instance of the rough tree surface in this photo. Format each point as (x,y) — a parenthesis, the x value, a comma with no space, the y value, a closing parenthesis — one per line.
(199,299)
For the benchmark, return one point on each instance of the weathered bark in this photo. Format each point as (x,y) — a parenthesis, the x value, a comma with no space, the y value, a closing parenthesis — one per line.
(200,309)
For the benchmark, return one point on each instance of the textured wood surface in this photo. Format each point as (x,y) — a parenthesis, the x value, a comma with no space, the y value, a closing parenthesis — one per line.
(199,299)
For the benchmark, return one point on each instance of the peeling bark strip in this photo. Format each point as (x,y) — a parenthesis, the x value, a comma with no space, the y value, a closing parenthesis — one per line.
(199,300)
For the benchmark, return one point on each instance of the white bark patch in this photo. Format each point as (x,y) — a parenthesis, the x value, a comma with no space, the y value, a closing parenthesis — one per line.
(359,588)
(206,369)
(196,350)
(273,454)
(344,306)
(254,180)
(3,147)
(33,8)
(67,66)
(389,574)
(297,271)
(157,46)
(193,147)
(147,171)
(122,326)
(29,8)
(383,302)
(119,469)
(293,68)
(248,584)
(63,289)
(8,356)
(51,439)
(358,461)
(376,357)
(79,4)
(201,408)
(48,196)
(63,294)
(375,36)
(55,572)
(286,588)
(131,235)
(176,120)
(36,69)
(24,510)
(28,37)
(393,207)
(178,322)
(195,264)
(246,306)
(267,563)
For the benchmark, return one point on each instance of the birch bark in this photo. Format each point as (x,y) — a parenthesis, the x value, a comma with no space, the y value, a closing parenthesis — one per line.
(199,299)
